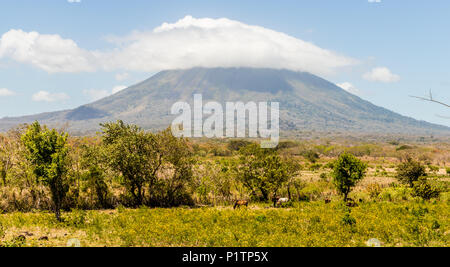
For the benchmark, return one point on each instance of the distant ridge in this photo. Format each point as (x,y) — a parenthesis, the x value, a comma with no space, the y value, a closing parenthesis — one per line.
(307,102)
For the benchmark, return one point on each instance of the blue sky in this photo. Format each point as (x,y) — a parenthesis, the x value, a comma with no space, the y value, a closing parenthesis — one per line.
(382,51)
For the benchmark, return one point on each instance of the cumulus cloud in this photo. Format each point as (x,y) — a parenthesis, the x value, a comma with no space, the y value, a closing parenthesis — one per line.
(189,42)
(51,53)
(94,95)
(44,96)
(6,92)
(74,1)
(348,87)
(374,1)
(381,74)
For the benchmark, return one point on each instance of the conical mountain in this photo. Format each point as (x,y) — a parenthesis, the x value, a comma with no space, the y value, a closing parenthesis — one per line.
(307,102)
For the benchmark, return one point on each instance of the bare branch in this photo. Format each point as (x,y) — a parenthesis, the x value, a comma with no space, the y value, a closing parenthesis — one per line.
(431,100)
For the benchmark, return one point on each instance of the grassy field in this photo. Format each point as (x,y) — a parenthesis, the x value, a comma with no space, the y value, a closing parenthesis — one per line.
(306,224)
(189,186)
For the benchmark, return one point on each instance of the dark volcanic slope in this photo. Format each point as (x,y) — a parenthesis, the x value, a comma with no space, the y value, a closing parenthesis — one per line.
(307,102)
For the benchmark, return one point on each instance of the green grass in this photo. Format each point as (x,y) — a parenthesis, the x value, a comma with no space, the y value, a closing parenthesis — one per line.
(307,224)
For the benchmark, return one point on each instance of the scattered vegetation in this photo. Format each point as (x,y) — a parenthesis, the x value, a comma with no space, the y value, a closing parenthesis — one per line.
(306,224)
(129,187)
(422,188)
(410,171)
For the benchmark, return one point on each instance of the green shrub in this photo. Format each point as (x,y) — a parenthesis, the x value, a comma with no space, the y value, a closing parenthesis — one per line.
(47,151)
(404,147)
(374,190)
(348,220)
(422,188)
(220,152)
(397,193)
(286,144)
(264,171)
(236,145)
(76,218)
(313,191)
(394,143)
(410,171)
(348,171)
(311,156)
(329,165)
(315,167)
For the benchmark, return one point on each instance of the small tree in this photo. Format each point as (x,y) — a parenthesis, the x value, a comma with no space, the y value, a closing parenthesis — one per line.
(47,151)
(410,171)
(92,160)
(348,171)
(263,170)
(172,170)
(292,169)
(131,152)
(159,163)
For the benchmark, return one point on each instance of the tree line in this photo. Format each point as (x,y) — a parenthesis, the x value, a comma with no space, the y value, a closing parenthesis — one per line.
(125,165)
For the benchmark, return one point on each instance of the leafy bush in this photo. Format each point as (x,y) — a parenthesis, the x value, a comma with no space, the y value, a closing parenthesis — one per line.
(314,191)
(220,152)
(422,188)
(374,190)
(348,220)
(133,154)
(236,145)
(155,168)
(394,143)
(404,147)
(329,165)
(311,156)
(47,151)
(410,171)
(396,193)
(76,218)
(286,144)
(264,171)
(348,171)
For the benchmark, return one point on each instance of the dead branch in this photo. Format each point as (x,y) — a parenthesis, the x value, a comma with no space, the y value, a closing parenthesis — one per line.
(431,99)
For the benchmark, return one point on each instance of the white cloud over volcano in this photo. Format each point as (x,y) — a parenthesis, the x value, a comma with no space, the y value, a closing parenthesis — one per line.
(189,42)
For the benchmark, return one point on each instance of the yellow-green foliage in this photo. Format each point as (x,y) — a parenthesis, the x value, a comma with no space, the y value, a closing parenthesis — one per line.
(307,224)
(374,190)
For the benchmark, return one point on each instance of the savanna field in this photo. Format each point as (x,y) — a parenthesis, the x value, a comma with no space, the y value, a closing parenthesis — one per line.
(305,225)
(130,188)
